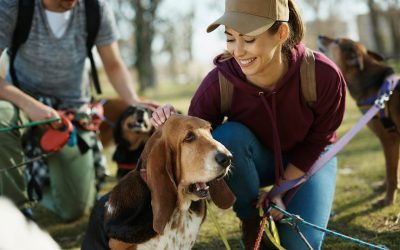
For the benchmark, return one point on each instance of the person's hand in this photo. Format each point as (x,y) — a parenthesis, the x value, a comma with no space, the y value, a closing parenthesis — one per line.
(261,202)
(150,104)
(161,114)
(38,111)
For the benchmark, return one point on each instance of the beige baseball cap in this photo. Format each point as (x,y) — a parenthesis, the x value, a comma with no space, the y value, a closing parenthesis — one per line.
(252,17)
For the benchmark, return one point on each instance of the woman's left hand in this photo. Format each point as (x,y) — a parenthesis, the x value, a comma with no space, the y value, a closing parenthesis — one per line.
(262,197)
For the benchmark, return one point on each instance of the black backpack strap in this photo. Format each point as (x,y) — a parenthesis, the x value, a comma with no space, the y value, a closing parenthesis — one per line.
(21,32)
(92,10)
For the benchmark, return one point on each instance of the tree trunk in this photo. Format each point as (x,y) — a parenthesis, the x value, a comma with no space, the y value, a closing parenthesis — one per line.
(144,28)
(393,18)
(377,34)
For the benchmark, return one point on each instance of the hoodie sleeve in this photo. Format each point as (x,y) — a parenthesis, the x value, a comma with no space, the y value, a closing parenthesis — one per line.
(328,115)
(206,102)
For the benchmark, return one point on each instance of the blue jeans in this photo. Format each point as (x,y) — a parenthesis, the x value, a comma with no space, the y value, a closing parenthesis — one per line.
(253,167)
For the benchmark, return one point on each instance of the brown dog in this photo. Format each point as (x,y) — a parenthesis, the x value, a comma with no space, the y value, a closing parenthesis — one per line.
(365,72)
(130,128)
(160,205)
(113,108)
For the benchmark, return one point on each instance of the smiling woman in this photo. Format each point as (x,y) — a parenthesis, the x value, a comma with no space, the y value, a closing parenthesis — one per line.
(277,135)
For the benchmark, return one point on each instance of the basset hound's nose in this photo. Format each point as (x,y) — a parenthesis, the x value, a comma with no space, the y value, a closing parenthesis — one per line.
(223,159)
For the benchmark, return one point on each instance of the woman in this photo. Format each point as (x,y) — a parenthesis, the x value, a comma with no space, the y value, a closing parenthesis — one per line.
(270,127)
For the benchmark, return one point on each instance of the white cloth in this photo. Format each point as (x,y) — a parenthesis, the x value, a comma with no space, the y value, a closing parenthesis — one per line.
(58,21)
(17,233)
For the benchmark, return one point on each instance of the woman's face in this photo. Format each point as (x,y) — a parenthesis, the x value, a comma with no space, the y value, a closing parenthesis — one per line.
(254,54)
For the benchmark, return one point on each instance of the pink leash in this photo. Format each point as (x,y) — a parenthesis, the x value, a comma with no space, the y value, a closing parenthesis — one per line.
(293,186)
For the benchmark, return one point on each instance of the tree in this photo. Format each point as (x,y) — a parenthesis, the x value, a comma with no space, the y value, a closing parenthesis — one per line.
(374,17)
(144,20)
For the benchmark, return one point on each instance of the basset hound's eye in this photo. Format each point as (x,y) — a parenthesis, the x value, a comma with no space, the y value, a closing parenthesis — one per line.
(190,136)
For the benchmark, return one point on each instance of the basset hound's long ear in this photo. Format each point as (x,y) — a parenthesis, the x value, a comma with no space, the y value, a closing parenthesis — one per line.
(221,194)
(160,180)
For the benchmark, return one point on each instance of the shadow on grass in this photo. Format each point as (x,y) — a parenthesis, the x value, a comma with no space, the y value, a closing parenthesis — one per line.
(217,244)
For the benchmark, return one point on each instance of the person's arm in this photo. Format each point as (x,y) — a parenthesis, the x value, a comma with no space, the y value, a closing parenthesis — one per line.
(117,72)
(35,109)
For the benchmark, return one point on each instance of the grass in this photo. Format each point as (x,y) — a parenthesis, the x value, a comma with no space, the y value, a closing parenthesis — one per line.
(360,164)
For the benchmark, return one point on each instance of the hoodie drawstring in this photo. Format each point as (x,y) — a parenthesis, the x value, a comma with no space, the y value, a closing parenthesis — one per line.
(279,171)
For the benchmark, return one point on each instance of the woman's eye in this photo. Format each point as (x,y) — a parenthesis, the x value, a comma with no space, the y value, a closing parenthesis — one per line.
(189,137)
(250,41)
(229,40)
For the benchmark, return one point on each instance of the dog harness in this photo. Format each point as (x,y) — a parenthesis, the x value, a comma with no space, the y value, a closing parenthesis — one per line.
(388,84)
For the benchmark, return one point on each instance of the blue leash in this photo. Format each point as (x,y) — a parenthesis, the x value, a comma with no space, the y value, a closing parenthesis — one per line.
(294,220)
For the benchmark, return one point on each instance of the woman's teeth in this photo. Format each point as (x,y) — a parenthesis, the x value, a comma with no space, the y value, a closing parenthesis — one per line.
(245,62)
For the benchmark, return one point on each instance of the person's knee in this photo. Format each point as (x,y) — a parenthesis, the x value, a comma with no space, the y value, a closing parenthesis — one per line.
(233,134)
(7,114)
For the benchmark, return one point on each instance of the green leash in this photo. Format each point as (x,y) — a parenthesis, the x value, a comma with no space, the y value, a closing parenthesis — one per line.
(219,229)
(30,124)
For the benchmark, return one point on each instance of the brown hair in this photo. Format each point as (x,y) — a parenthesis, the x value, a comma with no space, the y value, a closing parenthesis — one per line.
(296,27)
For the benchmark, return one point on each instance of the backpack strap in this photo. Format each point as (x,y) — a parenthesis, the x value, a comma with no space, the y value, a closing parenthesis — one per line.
(21,32)
(226,92)
(307,78)
(23,27)
(92,11)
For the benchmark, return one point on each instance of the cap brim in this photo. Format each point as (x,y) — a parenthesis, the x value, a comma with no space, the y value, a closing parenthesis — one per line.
(243,23)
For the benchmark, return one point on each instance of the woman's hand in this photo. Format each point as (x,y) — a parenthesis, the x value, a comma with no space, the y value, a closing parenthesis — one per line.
(262,198)
(150,104)
(161,114)
(37,111)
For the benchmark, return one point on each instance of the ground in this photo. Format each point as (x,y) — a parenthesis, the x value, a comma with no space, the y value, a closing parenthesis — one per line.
(361,163)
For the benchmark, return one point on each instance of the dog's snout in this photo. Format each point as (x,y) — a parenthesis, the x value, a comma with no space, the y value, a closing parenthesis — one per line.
(140,115)
(223,159)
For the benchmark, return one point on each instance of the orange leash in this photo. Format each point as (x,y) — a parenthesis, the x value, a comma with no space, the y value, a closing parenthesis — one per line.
(260,233)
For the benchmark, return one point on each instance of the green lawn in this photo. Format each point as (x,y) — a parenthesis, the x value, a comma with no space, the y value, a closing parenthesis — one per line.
(361,163)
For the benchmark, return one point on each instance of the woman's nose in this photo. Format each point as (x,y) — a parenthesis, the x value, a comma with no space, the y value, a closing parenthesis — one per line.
(238,49)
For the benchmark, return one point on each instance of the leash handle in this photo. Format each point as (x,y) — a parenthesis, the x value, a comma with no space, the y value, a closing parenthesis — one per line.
(55,138)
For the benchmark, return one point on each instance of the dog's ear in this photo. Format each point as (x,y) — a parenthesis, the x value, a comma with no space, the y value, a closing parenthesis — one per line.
(117,132)
(160,180)
(375,55)
(221,194)
(356,59)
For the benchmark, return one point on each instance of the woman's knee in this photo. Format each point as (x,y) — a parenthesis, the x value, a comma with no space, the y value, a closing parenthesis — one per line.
(233,135)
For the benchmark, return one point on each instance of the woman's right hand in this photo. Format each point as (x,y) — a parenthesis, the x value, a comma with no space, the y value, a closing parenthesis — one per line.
(38,111)
(161,114)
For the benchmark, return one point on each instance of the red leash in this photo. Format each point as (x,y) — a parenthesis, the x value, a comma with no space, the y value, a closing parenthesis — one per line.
(260,233)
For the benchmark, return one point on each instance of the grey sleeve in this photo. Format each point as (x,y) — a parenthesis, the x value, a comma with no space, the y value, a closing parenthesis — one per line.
(108,31)
(8,20)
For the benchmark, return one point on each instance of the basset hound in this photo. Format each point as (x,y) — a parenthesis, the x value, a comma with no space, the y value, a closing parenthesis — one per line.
(160,205)
(366,74)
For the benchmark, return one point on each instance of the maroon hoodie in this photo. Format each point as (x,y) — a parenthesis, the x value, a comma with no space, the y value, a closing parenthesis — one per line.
(280,118)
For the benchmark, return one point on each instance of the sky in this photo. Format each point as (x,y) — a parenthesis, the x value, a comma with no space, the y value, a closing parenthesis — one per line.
(207,45)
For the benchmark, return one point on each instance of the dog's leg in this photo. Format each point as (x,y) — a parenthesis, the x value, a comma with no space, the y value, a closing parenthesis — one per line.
(390,142)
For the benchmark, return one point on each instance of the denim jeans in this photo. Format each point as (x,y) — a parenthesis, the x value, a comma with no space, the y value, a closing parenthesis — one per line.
(253,167)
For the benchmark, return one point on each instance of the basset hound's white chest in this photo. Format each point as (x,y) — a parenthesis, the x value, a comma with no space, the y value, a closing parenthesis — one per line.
(180,233)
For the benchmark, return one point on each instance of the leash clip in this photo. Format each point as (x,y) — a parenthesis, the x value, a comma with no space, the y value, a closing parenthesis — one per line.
(380,102)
